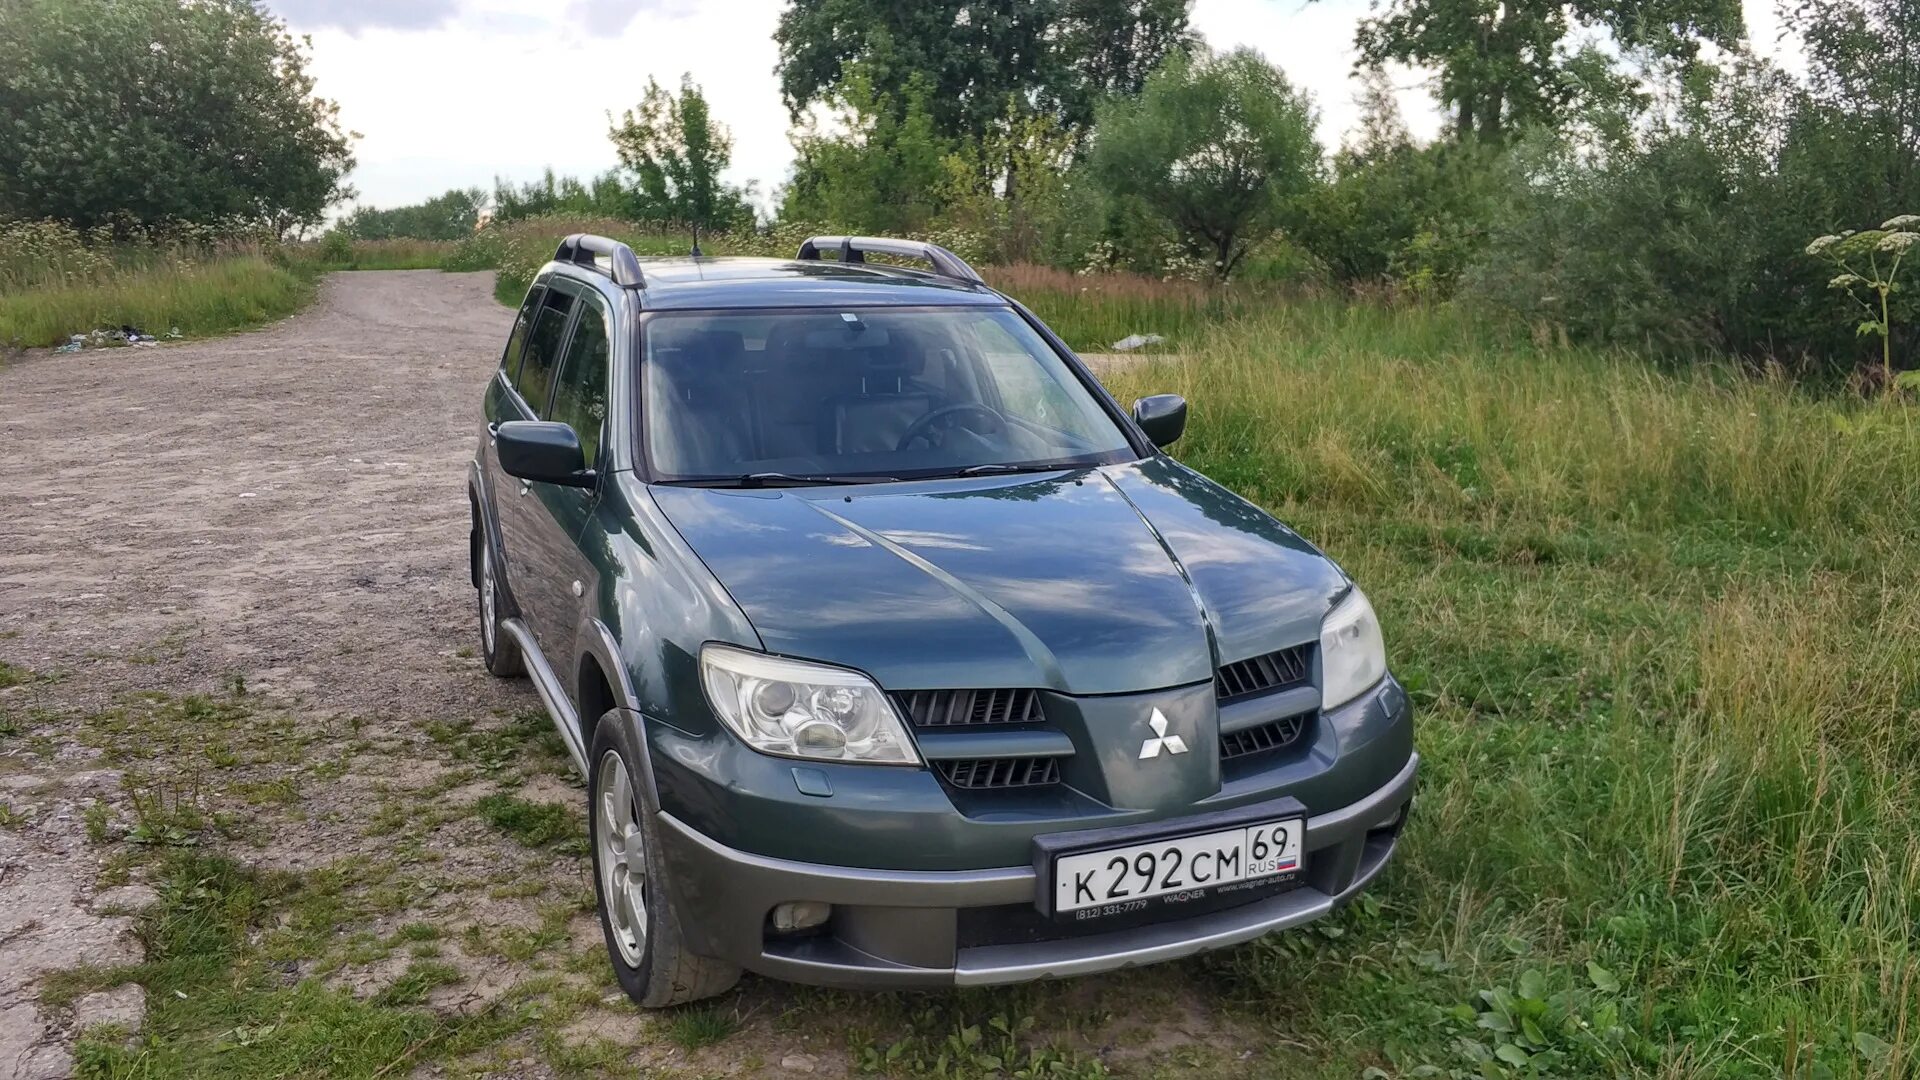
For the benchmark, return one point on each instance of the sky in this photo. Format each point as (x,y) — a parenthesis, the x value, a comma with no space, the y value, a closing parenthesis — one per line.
(452,93)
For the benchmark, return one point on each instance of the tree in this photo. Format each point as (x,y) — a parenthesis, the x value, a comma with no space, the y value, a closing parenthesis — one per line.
(675,152)
(147,112)
(1394,210)
(443,217)
(979,56)
(1107,48)
(1501,65)
(881,168)
(1218,145)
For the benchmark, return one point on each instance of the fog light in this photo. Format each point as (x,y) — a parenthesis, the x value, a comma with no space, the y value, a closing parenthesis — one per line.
(801,915)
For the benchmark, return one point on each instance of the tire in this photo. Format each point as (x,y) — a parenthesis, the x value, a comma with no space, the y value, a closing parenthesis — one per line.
(500,651)
(638,919)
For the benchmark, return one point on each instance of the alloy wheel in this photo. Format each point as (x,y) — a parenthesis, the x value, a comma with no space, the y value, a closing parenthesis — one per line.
(622,859)
(489,604)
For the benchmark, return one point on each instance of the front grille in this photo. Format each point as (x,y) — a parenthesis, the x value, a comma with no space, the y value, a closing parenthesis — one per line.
(1277,735)
(1274,671)
(966,708)
(976,774)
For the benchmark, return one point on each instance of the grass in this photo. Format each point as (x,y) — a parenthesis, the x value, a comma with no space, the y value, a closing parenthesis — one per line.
(535,824)
(1092,311)
(218,1005)
(701,1025)
(1665,644)
(199,300)
(398,254)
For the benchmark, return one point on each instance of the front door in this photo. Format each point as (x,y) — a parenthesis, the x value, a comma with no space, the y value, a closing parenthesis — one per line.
(526,555)
(579,400)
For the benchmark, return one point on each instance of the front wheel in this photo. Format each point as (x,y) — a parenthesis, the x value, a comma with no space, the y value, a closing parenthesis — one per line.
(629,877)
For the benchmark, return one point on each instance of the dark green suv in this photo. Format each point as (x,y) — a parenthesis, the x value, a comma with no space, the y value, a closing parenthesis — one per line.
(893,651)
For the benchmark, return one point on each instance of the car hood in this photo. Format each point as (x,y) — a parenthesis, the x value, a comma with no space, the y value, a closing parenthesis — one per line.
(1093,581)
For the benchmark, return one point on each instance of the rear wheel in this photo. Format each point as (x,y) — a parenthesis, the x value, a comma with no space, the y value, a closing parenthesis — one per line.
(629,876)
(501,652)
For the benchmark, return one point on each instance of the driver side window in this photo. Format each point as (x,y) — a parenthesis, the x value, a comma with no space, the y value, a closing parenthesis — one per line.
(580,394)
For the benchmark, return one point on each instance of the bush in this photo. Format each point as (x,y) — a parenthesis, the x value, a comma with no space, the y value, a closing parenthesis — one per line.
(1406,214)
(443,217)
(1216,146)
(1684,231)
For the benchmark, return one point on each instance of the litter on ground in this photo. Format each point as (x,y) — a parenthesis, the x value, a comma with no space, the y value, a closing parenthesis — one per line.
(125,336)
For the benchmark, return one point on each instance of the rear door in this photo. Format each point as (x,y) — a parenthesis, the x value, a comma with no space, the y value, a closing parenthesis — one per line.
(525,397)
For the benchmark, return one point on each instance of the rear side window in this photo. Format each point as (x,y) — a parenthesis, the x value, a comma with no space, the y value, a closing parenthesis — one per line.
(535,377)
(580,397)
(517,341)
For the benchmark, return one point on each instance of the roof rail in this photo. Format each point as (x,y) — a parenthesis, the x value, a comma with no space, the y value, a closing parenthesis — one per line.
(585,249)
(853,249)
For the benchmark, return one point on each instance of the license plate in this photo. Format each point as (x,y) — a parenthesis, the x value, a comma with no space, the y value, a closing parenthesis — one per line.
(1120,877)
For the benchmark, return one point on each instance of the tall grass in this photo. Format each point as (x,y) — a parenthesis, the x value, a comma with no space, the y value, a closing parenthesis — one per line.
(395,254)
(56,282)
(1665,643)
(227,294)
(1093,311)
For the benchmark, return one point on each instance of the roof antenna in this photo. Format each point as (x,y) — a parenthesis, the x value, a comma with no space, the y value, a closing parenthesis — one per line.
(696,240)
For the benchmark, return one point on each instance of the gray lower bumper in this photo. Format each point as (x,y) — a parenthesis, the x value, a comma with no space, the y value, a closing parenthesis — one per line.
(903,929)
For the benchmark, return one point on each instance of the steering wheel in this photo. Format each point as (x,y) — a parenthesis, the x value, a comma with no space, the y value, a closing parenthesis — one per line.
(921,427)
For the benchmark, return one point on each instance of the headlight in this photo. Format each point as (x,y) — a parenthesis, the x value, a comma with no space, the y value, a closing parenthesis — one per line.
(796,709)
(1352,654)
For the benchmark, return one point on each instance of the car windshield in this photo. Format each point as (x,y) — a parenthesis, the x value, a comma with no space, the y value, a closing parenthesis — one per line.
(822,395)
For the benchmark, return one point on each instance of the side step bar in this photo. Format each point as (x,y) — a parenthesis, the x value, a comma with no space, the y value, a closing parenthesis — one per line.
(547,684)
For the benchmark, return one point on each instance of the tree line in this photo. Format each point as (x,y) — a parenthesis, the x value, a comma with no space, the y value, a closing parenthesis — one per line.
(1626,173)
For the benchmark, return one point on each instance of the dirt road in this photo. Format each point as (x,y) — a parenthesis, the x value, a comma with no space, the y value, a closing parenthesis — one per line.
(281,510)
(236,627)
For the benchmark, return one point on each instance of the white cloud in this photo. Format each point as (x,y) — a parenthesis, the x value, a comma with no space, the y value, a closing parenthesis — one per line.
(354,16)
(614,16)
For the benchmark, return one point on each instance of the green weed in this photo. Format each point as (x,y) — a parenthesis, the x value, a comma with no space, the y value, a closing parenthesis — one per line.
(535,824)
(704,1025)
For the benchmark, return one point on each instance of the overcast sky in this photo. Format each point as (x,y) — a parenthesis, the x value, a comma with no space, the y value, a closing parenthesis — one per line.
(451,93)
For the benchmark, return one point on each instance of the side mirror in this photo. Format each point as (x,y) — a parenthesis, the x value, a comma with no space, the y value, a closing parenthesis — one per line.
(1163,417)
(542,451)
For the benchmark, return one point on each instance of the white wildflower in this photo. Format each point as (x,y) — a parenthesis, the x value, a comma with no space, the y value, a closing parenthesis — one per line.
(1822,245)
(1846,281)
(1901,223)
(1899,242)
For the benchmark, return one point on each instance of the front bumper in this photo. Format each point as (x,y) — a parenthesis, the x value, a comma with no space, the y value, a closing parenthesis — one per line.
(978,927)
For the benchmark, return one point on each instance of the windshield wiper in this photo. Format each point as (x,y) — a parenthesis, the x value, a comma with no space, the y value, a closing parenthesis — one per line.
(997,468)
(780,479)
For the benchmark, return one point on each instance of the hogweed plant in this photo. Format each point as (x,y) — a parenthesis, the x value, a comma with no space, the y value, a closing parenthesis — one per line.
(1869,262)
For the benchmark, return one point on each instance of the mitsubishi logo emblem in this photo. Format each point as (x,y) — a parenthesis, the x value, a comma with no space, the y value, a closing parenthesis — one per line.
(1172,744)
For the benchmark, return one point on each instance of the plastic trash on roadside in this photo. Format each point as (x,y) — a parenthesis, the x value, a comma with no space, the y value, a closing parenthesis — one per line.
(1136,341)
